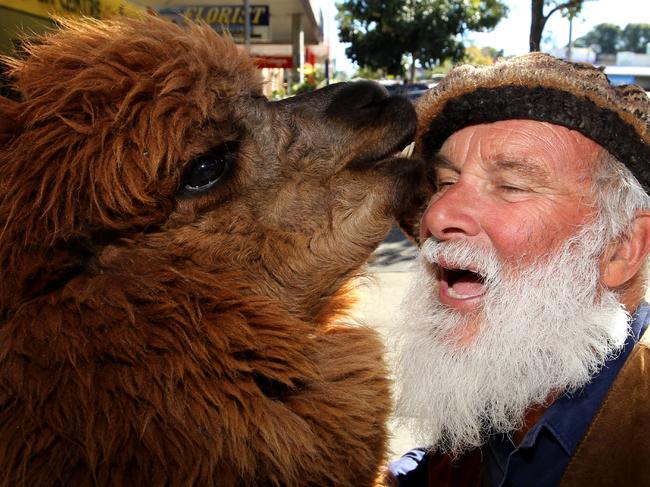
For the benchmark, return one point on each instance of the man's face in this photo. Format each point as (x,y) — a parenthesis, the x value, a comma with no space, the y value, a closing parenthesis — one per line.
(507,304)
(517,187)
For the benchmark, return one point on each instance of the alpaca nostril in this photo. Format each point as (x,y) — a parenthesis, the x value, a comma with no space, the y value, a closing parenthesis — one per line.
(360,94)
(355,98)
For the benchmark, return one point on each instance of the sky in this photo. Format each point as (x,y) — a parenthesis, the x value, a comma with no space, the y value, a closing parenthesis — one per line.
(511,34)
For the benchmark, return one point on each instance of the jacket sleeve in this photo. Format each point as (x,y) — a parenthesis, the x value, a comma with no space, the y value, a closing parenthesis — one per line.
(411,469)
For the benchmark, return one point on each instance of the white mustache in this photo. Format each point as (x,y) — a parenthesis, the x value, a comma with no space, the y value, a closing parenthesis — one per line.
(462,254)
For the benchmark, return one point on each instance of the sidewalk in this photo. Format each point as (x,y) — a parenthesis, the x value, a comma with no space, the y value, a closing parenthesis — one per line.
(380,296)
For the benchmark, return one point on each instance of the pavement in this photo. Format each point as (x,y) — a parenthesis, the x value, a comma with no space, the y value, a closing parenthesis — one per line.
(380,294)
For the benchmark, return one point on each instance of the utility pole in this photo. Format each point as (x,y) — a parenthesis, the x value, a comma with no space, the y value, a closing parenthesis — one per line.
(327,68)
(570,48)
(247,25)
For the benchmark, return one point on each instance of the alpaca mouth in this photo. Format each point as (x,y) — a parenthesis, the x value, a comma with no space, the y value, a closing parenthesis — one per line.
(407,151)
(462,283)
(375,161)
(402,148)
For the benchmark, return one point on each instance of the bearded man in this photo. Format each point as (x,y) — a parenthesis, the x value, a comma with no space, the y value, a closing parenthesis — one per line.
(522,360)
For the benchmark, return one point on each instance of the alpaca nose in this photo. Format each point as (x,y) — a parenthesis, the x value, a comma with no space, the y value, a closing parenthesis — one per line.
(361,94)
(357,102)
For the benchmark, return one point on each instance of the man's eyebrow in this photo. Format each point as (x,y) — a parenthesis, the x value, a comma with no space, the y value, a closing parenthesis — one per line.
(441,162)
(526,168)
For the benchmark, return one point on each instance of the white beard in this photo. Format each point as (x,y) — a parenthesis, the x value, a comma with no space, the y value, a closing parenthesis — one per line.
(549,330)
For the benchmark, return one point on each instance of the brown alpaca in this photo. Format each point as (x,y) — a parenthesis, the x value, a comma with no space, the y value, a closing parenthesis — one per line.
(174,250)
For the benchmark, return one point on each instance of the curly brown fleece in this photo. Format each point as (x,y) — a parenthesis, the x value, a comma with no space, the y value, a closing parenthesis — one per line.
(152,334)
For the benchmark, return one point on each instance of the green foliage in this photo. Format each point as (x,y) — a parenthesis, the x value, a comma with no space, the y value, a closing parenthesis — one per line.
(541,11)
(303,87)
(442,68)
(635,37)
(386,33)
(278,94)
(474,55)
(482,56)
(366,72)
(570,10)
(567,8)
(611,38)
(607,36)
(492,52)
(340,76)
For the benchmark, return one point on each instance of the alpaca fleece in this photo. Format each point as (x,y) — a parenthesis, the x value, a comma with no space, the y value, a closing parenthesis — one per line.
(156,334)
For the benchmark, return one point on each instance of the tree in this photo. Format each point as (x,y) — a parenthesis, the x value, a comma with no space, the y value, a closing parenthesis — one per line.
(366,72)
(539,18)
(611,38)
(492,52)
(384,33)
(477,56)
(606,36)
(635,37)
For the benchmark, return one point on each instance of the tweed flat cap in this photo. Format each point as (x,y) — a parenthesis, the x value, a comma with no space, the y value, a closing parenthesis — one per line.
(540,87)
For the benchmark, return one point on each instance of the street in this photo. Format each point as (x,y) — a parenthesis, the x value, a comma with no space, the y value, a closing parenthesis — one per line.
(380,297)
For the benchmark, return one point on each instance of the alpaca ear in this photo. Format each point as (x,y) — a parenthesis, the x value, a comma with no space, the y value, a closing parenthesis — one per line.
(8,123)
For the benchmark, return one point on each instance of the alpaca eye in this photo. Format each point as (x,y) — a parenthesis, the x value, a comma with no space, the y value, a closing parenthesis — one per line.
(207,170)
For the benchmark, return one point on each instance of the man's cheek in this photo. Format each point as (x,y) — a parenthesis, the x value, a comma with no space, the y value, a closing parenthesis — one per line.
(523,238)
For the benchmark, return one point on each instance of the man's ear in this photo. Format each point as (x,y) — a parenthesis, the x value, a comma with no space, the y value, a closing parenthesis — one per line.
(624,258)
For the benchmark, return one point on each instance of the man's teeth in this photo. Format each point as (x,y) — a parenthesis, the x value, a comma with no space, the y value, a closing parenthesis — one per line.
(474,293)
(456,295)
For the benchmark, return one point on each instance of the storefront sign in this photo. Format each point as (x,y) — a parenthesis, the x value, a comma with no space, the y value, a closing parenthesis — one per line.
(223,18)
(285,62)
(217,15)
(99,9)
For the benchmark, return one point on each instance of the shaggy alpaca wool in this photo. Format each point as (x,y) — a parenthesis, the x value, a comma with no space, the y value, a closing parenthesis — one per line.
(175,250)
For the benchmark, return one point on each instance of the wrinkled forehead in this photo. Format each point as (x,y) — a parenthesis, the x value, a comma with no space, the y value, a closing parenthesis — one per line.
(542,146)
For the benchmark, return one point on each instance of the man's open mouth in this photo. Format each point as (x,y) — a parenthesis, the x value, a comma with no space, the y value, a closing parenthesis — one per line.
(460,283)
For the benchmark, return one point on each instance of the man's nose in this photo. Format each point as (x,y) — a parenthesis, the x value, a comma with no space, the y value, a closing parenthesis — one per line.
(450,215)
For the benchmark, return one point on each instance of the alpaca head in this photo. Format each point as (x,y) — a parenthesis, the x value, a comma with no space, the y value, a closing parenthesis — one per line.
(139,132)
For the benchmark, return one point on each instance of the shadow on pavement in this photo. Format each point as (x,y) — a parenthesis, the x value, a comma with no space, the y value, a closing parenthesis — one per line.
(395,254)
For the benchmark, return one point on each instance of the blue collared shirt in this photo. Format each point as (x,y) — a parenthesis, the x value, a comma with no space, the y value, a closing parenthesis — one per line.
(544,453)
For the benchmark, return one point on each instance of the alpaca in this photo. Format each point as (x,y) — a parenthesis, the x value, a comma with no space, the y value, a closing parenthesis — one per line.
(176,254)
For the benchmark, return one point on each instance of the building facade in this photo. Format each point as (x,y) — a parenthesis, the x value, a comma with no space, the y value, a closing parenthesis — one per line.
(285,36)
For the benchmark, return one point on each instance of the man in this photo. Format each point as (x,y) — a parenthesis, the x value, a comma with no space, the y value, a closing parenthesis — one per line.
(521,357)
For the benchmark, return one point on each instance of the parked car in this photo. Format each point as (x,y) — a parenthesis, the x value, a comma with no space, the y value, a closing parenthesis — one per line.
(412,91)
